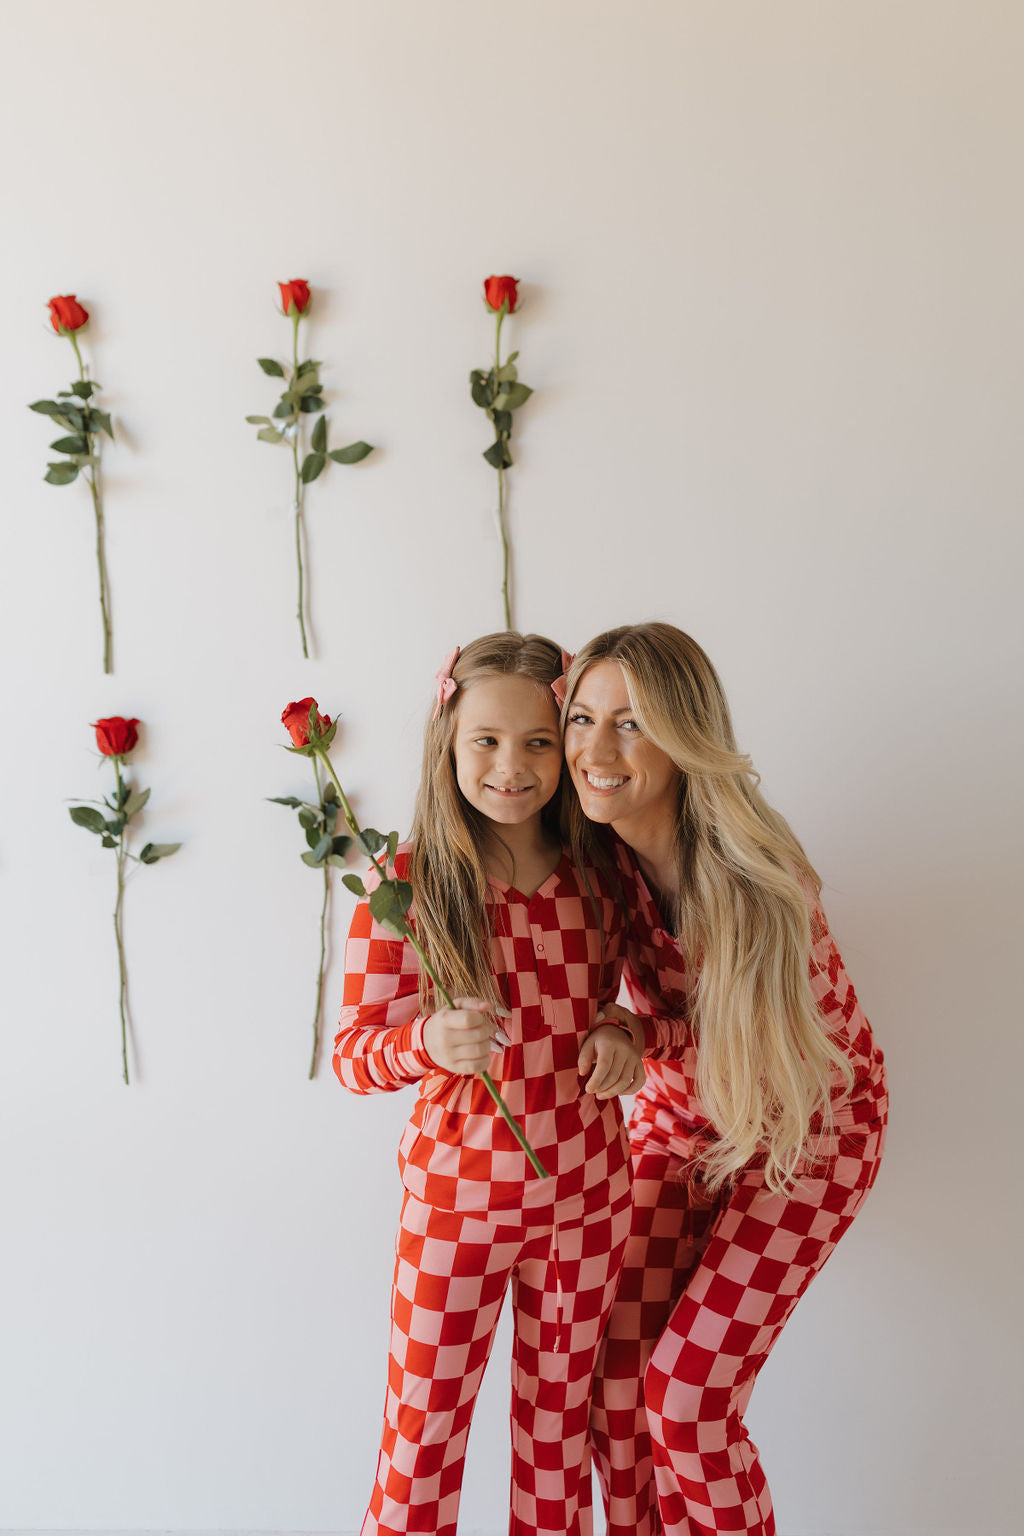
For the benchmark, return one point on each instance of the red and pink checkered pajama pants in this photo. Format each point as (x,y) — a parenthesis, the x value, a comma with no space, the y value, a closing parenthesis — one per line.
(706,1288)
(451,1274)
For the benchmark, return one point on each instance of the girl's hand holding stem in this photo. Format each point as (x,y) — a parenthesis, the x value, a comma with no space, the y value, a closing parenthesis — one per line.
(460,1039)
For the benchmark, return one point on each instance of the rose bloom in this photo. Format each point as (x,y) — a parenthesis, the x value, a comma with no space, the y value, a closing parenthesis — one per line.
(296,292)
(498,289)
(66,314)
(116,736)
(295,718)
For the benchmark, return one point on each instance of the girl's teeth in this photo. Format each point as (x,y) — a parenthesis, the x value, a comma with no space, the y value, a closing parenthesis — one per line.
(604,783)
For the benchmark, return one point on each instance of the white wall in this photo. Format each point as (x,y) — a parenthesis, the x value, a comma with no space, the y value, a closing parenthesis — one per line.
(772,260)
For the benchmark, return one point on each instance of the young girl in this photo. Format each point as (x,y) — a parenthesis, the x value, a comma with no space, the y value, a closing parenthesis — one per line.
(529,946)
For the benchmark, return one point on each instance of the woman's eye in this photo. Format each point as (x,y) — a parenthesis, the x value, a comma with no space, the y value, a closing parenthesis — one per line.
(579,718)
(629,725)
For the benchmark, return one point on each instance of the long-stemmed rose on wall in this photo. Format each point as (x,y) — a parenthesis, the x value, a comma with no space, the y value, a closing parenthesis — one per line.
(74,411)
(391,898)
(325,849)
(116,737)
(302,396)
(499,392)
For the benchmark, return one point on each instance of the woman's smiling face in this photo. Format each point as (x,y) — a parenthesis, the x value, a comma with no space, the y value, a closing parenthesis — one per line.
(619,773)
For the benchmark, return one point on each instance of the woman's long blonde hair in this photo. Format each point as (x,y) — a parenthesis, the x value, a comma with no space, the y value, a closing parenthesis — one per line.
(451,839)
(766,1066)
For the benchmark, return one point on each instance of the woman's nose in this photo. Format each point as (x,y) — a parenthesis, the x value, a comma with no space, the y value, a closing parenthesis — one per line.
(602,746)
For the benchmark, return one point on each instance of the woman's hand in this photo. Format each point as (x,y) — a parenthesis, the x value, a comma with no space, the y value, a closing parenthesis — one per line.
(459,1040)
(617,1066)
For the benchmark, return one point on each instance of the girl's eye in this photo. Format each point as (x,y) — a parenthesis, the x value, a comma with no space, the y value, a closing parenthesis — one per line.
(542,741)
(486,741)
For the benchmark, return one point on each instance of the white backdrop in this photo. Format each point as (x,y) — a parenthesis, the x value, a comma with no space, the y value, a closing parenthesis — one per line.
(771,260)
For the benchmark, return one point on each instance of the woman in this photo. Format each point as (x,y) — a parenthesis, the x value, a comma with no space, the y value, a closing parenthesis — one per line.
(751,1153)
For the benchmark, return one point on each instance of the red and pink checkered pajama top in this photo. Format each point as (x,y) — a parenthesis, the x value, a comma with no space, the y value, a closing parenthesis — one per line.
(457,1153)
(655,976)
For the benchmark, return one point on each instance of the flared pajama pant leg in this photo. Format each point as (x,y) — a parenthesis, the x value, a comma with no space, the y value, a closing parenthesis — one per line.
(562,1295)
(451,1274)
(670,1223)
(738,1285)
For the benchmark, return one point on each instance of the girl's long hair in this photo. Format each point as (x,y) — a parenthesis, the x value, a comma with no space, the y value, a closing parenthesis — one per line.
(766,1065)
(451,840)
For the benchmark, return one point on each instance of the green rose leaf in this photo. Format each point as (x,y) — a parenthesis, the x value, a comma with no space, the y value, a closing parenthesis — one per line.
(154,851)
(318,441)
(47,407)
(330,816)
(511,358)
(88,817)
(310,403)
(268,435)
(311,466)
(322,849)
(282,409)
(270,366)
(389,903)
(101,420)
(336,861)
(307,817)
(75,444)
(313,834)
(352,454)
(60,474)
(354,884)
(331,793)
(502,421)
(136,800)
(392,846)
(512,398)
(259,421)
(509,373)
(308,365)
(289,800)
(309,384)
(482,392)
(370,841)
(498,455)
(107,841)
(83,388)
(340,846)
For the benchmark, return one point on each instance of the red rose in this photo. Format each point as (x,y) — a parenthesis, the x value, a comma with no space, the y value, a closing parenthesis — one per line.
(116,736)
(66,314)
(499,290)
(296,292)
(296,718)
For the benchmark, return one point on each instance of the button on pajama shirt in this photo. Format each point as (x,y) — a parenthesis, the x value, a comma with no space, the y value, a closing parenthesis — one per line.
(477,1219)
(709,1280)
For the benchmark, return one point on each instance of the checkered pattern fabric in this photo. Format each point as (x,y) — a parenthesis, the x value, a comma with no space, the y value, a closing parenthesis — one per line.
(452,1271)
(554,972)
(708,1282)
(706,1287)
(656,982)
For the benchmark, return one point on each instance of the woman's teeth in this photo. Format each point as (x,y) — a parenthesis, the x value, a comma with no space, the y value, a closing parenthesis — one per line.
(596,783)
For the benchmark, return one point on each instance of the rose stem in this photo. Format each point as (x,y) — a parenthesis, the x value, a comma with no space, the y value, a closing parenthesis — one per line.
(323,947)
(442,991)
(298,477)
(91,478)
(117,924)
(501,478)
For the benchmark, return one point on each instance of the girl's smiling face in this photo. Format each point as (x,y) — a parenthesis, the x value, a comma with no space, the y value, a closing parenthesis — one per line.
(619,773)
(508,756)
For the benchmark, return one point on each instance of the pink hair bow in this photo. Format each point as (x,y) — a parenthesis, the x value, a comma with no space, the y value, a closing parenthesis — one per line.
(446,684)
(558,687)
